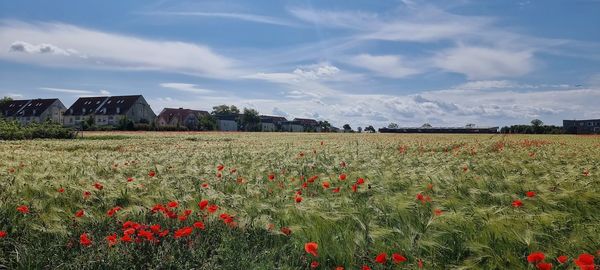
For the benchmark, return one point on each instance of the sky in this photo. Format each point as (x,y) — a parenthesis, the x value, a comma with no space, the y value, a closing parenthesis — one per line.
(447,63)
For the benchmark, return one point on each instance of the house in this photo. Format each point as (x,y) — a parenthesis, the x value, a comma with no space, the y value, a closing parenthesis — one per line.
(227,122)
(309,124)
(591,126)
(181,117)
(105,111)
(292,126)
(33,110)
(271,123)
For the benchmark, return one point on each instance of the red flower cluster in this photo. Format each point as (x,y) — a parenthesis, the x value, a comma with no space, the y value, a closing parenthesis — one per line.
(585,261)
(23,209)
(311,248)
(396,258)
(111,212)
(84,240)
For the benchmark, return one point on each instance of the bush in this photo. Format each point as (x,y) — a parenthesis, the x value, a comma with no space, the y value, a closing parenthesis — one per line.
(13,130)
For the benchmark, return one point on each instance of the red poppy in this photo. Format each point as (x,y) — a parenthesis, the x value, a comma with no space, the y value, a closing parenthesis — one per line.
(562,259)
(155,228)
(271,177)
(360,181)
(163,233)
(220,167)
(130,179)
(298,199)
(146,234)
(325,184)
(23,209)
(202,204)
(98,186)
(517,203)
(126,238)
(112,239)
(311,247)
(151,173)
(314,264)
(530,194)
(354,188)
(61,190)
(111,212)
(199,225)
(212,208)
(544,266)
(183,232)
(84,240)
(438,212)
(226,218)
(586,172)
(585,261)
(187,212)
(381,258)
(86,194)
(3,234)
(336,190)
(536,257)
(286,230)
(397,258)
(219,175)
(312,178)
(182,218)
(420,197)
(342,176)
(430,186)
(79,213)
(342,164)
(365,267)
(173,204)
(420,263)
(204,185)
(339,268)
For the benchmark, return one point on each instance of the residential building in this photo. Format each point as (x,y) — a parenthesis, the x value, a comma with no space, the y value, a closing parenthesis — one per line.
(109,110)
(271,123)
(33,110)
(591,126)
(309,124)
(292,126)
(181,117)
(227,122)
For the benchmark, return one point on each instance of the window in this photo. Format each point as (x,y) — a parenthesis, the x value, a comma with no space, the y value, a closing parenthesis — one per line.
(590,124)
(70,119)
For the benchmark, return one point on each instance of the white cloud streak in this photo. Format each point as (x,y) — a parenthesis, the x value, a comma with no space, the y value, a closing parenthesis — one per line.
(227,15)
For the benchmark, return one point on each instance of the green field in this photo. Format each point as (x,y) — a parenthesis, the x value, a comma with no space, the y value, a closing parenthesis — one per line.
(442,201)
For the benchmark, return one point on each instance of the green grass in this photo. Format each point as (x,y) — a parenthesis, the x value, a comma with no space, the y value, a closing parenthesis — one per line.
(474,179)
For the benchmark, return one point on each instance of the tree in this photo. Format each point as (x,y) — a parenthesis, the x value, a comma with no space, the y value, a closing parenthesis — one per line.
(359,130)
(370,129)
(537,123)
(225,110)
(207,122)
(3,101)
(392,126)
(426,125)
(325,126)
(250,120)
(347,128)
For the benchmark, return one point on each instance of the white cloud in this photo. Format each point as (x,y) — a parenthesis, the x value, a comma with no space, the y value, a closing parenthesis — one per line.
(106,50)
(392,66)
(67,91)
(226,15)
(186,87)
(104,93)
(484,63)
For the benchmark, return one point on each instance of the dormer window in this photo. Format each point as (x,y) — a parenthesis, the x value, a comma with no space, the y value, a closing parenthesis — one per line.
(118,110)
(83,110)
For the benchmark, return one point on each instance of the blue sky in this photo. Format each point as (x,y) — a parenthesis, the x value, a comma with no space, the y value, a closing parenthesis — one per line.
(447,63)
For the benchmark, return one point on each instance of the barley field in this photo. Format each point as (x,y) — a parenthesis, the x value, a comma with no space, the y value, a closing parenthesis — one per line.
(300,201)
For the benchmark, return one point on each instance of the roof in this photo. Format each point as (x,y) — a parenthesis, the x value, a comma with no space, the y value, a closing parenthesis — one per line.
(102,105)
(585,120)
(269,118)
(170,113)
(306,121)
(27,108)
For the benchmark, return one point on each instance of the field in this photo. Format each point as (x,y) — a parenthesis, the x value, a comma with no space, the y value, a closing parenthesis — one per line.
(300,201)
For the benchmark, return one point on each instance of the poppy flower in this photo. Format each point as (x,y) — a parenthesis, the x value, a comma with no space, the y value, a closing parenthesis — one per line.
(298,199)
(61,190)
(381,258)
(151,173)
(562,259)
(585,261)
(360,181)
(397,258)
(126,238)
(98,186)
(3,234)
(325,184)
(202,204)
(130,179)
(226,218)
(23,209)
(365,267)
(517,203)
(220,167)
(420,197)
(342,164)
(354,188)
(146,234)
(155,228)
(314,264)
(112,239)
(420,263)
(84,240)
(530,194)
(173,204)
(336,190)
(219,175)
(79,213)
(438,212)
(535,257)
(183,232)
(182,218)
(271,177)
(199,225)
(544,266)
(111,212)
(212,208)
(586,172)
(187,212)
(430,186)
(311,248)
(342,176)
(204,185)
(339,268)
(286,230)
(86,194)
(163,233)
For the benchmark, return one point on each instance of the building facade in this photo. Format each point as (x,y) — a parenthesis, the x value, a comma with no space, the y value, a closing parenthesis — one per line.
(271,123)
(188,118)
(292,126)
(227,122)
(104,111)
(34,110)
(309,125)
(591,126)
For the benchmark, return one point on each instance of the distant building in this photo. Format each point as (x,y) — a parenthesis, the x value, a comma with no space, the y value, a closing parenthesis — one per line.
(170,117)
(227,122)
(33,110)
(109,110)
(468,130)
(292,126)
(591,126)
(271,123)
(309,124)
